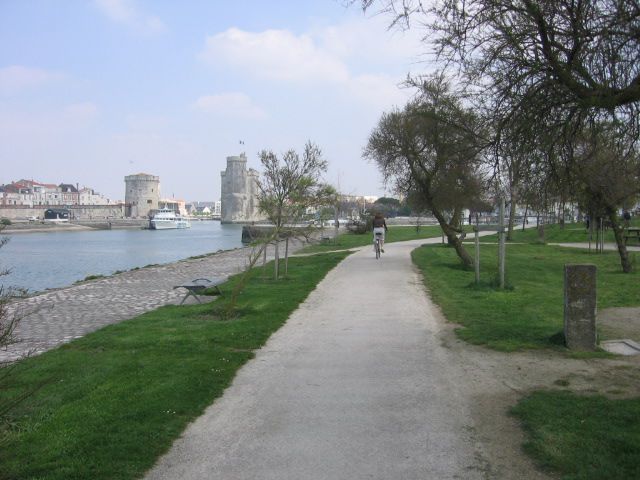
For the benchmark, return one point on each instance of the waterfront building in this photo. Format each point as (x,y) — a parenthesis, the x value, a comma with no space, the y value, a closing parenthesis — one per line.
(142,194)
(29,199)
(203,210)
(15,194)
(69,194)
(29,193)
(239,189)
(88,196)
(44,194)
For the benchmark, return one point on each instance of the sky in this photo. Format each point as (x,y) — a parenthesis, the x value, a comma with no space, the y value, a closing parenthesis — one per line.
(94,90)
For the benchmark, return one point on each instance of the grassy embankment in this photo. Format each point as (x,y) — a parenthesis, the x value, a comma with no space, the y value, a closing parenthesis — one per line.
(110,403)
(581,437)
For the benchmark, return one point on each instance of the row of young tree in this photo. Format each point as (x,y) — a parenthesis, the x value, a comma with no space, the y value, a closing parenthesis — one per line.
(534,101)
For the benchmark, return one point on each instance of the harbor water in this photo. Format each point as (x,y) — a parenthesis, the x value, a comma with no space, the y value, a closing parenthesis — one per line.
(42,260)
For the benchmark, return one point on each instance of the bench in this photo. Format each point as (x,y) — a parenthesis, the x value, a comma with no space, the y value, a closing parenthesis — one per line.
(199,285)
(632,233)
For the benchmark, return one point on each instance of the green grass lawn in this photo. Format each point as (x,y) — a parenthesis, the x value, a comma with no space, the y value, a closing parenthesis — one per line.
(530,314)
(571,233)
(346,241)
(577,436)
(583,437)
(110,403)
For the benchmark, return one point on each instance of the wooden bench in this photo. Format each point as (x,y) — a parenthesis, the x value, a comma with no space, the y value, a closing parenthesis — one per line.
(632,233)
(199,285)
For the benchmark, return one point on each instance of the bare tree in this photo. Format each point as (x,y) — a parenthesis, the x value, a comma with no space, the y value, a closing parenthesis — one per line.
(576,54)
(430,150)
(606,177)
(549,69)
(288,187)
(285,191)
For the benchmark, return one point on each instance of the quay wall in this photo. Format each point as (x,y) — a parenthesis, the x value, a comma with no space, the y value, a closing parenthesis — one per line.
(78,212)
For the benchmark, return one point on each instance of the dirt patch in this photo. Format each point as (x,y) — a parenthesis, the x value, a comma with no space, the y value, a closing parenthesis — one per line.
(618,323)
(496,381)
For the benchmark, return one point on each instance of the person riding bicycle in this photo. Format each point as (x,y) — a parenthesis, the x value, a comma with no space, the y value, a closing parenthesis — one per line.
(379,228)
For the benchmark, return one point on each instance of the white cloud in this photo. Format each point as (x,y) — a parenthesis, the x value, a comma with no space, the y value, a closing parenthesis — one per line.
(124,12)
(27,127)
(16,78)
(379,91)
(80,112)
(368,42)
(233,104)
(147,123)
(276,55)
(359,57)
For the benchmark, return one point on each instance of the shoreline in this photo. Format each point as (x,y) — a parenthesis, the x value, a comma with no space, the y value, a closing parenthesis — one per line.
(36,293)
(97,275)
(58,315)
(40,227)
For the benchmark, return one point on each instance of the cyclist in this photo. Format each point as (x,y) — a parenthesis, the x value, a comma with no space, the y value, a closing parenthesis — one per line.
(379,227)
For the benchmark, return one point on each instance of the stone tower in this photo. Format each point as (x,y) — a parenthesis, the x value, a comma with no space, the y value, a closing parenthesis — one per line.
(142,194)
(238,191)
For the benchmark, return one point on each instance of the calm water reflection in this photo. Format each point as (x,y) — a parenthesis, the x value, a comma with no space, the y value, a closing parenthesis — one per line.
(56,259)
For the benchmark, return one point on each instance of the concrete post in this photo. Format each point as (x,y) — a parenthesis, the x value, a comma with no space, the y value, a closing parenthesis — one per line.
(580,303)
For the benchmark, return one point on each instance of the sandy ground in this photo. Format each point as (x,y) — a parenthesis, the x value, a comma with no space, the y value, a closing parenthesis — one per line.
(619,323)
(497,381)
(39,227)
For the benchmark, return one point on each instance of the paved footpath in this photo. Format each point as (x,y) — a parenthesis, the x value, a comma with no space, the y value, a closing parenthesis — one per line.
(61,315)
(354,386)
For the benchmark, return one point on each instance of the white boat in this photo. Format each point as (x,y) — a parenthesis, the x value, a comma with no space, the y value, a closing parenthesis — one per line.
(165,218)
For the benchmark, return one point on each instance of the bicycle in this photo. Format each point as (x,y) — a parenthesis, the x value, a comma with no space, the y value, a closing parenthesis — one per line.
(377,245)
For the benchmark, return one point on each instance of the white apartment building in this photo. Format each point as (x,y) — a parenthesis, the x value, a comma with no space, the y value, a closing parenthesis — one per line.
(34,194)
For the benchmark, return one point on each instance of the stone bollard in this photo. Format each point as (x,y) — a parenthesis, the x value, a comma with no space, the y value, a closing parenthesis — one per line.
(580,307)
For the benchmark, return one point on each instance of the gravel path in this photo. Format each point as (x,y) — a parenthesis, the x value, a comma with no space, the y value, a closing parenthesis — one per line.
(355,385)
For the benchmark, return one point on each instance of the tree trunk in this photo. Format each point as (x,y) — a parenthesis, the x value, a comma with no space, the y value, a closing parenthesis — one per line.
(512,215)
(264,263)
(524,220)
(541,232)
(452,239)
(286,256)
(276,260)
(622,247)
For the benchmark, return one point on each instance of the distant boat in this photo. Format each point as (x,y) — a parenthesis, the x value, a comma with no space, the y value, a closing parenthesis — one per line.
(165,219)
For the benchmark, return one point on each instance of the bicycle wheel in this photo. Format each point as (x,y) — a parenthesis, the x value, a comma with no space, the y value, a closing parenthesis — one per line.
(377,249)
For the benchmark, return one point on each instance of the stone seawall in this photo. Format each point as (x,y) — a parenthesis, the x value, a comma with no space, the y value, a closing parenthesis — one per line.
(78,212)
(40,226)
